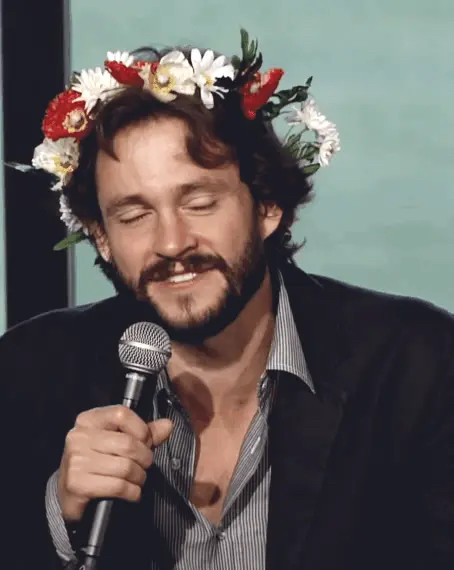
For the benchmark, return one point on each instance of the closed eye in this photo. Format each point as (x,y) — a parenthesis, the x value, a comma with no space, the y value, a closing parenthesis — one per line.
(133,219)
(201,207)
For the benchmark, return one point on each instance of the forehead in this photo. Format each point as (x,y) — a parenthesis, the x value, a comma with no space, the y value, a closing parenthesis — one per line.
(152,156)
(147,143)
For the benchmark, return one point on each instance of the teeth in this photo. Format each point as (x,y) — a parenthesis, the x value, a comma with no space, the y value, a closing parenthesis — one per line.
(182,277)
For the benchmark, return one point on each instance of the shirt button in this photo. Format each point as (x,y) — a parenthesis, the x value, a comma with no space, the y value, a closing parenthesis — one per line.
(256,444)
(220,535)
(175,463)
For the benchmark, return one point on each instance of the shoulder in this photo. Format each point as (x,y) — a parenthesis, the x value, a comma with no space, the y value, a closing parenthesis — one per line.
(47,357)
(59,324)
(56,337)
(373,317)
(387,308)
(358,298)
(399,344)
(413,334)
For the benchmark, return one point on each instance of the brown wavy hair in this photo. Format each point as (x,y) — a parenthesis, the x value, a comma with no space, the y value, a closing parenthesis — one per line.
(214,138)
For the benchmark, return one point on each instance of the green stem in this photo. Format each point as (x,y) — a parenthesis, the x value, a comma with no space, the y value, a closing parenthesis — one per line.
(288,133)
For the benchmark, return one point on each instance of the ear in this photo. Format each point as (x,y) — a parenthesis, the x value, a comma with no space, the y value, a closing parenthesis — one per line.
(99,235)
(270,215)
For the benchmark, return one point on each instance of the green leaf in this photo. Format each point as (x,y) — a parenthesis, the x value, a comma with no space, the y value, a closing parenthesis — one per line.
(271,110)
(293,138)
(244,42)
(297,93)
(303,150)
(311,169)
(293,143)
(309,152)
(254,66)
(236,62)
(284,97)
(74,77)
(252,50)
(248,49)
(70,240)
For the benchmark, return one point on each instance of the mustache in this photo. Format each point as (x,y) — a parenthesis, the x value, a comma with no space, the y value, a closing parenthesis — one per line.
(195,263)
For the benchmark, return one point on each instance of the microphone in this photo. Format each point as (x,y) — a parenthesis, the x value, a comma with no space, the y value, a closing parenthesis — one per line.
(144,350)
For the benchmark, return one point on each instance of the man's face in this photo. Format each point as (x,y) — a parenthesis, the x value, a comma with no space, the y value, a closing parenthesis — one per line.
(187,239)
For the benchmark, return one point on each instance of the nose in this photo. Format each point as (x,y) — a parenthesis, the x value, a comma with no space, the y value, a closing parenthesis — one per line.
(173,236)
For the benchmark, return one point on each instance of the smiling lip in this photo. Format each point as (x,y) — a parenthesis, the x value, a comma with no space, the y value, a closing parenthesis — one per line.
(181,280)
(182,277)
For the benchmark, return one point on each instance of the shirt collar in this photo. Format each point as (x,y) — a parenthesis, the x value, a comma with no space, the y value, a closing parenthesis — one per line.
(286,353)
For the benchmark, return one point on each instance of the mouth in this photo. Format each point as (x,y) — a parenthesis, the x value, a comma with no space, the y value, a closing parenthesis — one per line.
(180,280)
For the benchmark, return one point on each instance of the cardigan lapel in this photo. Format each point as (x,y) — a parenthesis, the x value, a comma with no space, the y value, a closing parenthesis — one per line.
(303,425)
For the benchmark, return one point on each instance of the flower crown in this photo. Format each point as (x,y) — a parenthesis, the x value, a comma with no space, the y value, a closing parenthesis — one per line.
(70,116)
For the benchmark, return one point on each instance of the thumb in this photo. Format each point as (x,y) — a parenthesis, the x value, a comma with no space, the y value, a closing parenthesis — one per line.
(160,430)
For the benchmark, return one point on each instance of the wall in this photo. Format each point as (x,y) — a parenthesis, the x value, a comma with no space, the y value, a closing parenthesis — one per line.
(383,71)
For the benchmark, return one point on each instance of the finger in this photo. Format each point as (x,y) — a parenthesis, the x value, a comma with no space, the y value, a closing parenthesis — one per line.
(110,465)
(122,445)
(103,486)
(114,418)
(160,430)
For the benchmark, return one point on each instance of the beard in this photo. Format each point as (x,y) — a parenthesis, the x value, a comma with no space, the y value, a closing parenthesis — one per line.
(243,277)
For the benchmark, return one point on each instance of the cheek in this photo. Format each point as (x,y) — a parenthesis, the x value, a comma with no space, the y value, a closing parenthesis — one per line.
(231,238)
(129,255)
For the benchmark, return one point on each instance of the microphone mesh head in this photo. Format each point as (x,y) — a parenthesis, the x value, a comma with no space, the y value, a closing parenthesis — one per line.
(144,347)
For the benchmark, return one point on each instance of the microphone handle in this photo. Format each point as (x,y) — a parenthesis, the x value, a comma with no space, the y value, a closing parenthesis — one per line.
(133,391)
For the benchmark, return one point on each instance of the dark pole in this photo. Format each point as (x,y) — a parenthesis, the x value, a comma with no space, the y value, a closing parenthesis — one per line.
(35,57)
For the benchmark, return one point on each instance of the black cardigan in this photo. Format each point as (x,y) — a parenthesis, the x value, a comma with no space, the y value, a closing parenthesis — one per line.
(362,471)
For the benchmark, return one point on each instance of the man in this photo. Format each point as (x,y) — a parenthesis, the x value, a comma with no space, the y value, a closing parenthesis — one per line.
(300,422)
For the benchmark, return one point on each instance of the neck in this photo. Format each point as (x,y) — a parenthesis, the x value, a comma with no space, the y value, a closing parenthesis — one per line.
(222,373)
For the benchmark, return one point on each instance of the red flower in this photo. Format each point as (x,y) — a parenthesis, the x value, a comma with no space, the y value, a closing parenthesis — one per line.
(258,90)
(66,118)
(124,74)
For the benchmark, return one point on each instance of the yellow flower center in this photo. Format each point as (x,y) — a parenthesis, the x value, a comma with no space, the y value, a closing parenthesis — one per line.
(209,80)
(75,121)
(162,81)
(62,167)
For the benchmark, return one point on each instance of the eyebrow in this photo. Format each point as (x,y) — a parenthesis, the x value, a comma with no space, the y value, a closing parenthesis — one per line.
(131,200)
(183,189)
(201,183)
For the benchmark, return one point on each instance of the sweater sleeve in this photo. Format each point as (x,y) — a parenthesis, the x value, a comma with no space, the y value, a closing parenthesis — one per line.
(32,427)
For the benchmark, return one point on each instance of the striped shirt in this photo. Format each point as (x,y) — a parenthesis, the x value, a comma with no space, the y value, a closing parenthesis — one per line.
(194,542)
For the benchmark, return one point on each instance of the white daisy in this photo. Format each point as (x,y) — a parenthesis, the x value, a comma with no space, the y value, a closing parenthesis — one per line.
(123,57)
(60,158)
(172,75)
(329,145)
(206,70)
(94,85)
(67,217)
(310,117)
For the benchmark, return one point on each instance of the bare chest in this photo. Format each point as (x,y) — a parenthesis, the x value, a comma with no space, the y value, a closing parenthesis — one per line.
(218,451)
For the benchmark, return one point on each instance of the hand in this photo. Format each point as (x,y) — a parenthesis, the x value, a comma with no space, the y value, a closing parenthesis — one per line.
(106,455)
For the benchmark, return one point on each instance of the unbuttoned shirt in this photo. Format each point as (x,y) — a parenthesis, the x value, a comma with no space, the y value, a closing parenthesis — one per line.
(194,542)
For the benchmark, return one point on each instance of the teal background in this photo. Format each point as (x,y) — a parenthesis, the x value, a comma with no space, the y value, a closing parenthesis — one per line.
(383,72)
